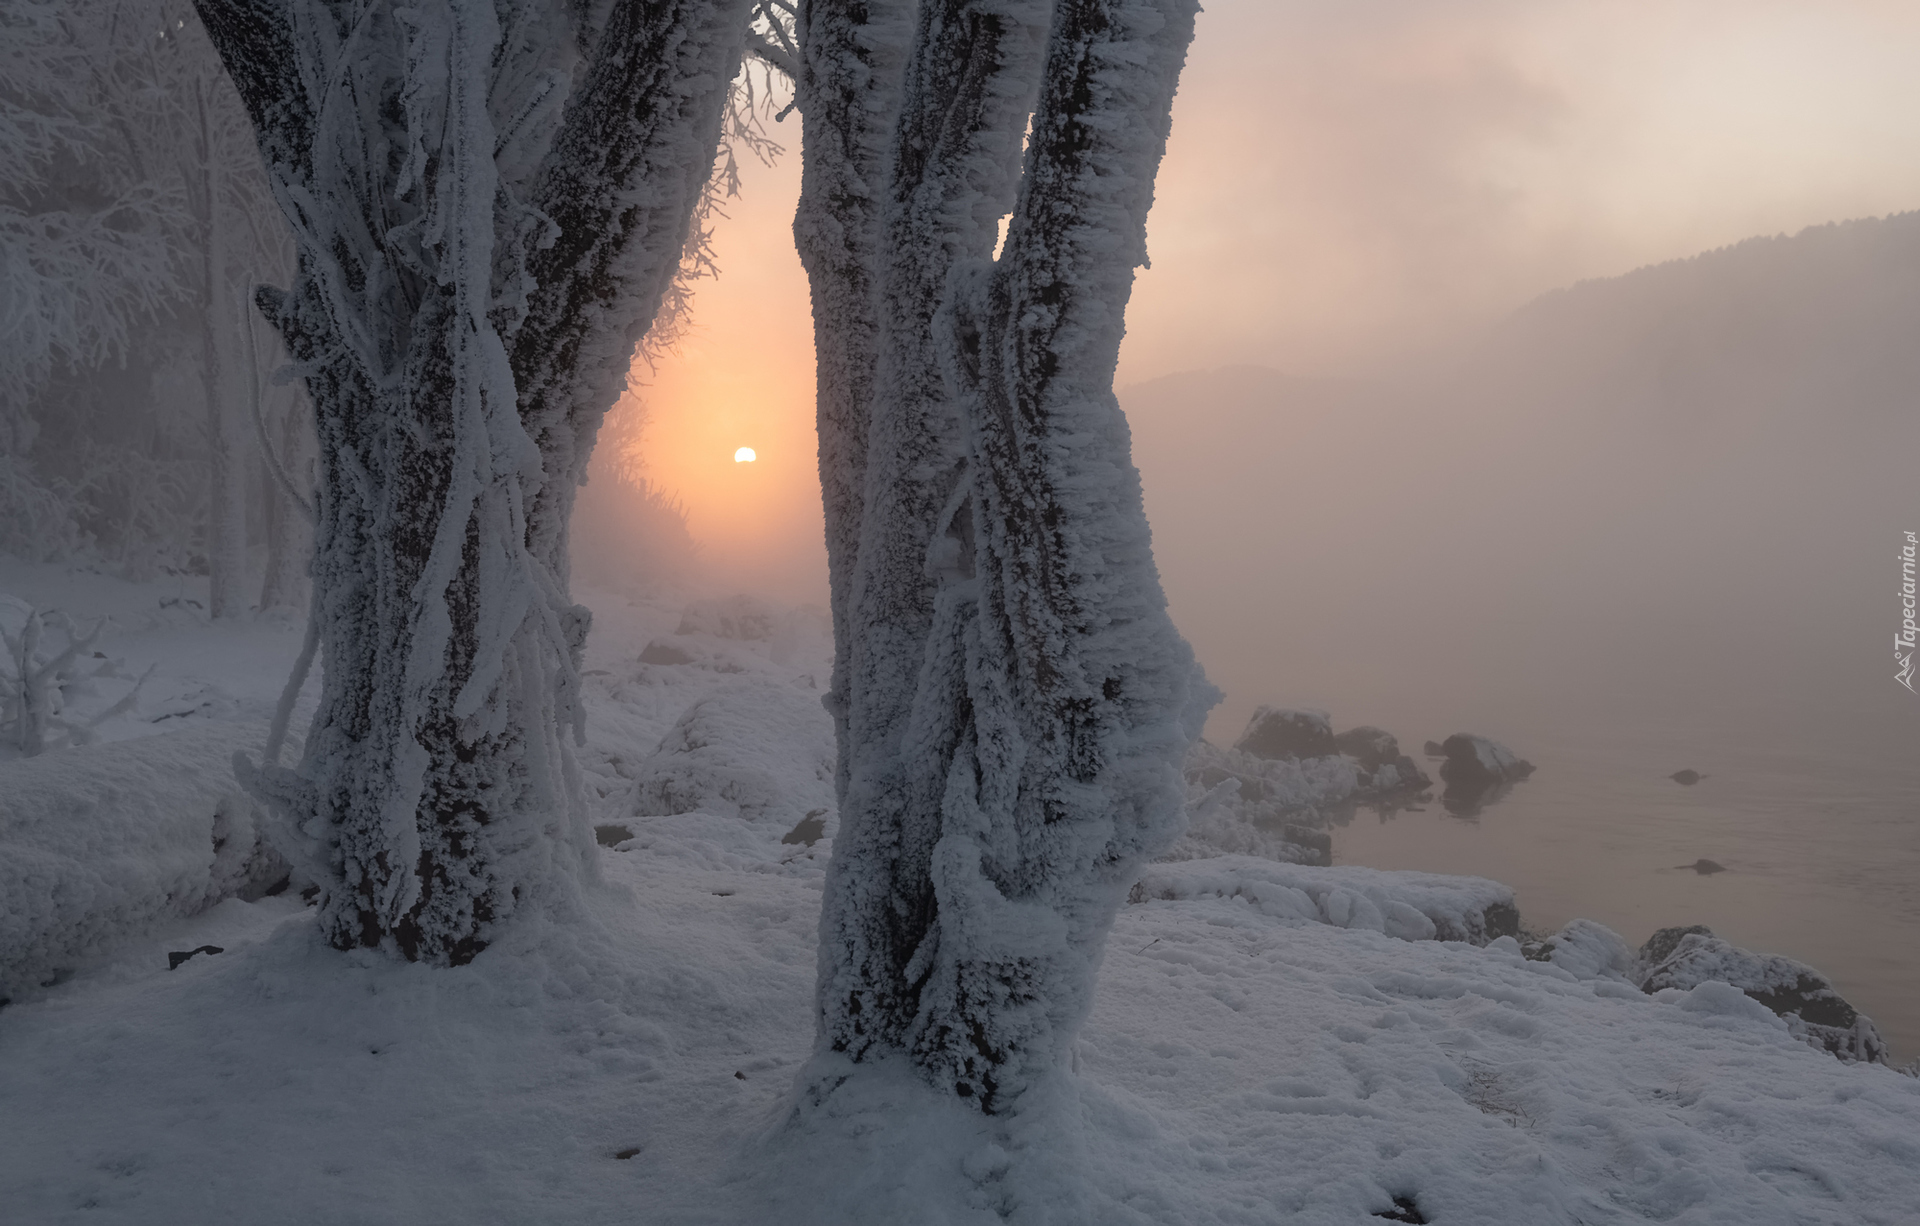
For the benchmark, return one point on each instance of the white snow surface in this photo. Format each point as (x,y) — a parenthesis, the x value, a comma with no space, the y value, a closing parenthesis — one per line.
(96,847)
(1251,1057)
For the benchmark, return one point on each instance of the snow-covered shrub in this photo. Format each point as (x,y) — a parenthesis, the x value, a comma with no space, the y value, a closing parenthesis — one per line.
(1279,802)
(730,617)
(46,664)
(99,844)
(36,517)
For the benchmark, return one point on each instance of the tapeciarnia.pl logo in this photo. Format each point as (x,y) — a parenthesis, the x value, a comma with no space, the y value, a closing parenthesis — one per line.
(1903,641)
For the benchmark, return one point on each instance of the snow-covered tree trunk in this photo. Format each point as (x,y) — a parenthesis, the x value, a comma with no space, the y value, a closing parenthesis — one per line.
(847,90)
(964,99)
(488,201)
(1016,700)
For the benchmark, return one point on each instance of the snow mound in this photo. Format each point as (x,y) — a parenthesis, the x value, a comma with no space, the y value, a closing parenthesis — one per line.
(1411,906)
(98,844)
(758,750)
(1587,950)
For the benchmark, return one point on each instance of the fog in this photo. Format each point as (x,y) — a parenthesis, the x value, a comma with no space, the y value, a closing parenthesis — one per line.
(1676,497)
(1381,481)
(1350,182)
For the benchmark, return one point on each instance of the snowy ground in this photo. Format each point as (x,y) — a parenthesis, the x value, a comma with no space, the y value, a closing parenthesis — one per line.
(1246,1061)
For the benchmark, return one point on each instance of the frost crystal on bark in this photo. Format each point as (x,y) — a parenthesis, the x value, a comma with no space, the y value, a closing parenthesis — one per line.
(1013,700)
(488,202)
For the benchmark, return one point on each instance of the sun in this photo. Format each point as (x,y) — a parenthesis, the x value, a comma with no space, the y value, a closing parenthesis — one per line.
(744,456)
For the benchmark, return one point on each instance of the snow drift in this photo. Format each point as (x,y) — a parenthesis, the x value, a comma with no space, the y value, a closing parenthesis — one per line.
(97,845)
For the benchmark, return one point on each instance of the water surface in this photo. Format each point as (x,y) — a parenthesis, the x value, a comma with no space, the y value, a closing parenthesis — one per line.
(1821,849)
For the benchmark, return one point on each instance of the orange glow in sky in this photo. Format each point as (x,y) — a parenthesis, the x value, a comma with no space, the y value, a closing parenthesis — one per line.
(1349,183)
(743,378)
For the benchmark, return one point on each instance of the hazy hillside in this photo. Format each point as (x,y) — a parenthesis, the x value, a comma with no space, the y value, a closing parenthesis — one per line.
(1675,495)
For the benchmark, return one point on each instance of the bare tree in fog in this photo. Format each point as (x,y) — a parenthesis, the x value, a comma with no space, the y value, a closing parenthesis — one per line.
(488,203)
(1011,699)
(133,216)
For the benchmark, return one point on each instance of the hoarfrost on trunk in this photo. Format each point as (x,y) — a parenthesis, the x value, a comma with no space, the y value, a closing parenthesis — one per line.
(488,202)
(1015,700)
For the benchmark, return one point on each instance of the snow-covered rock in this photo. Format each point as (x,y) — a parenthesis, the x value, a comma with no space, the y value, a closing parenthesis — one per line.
(756,749)
(1802,997)
(100,843)
(1280,732)
(1587,950)
(1477,762)
(1275,792)
(1478,772)
(1383,768)
(1412,906)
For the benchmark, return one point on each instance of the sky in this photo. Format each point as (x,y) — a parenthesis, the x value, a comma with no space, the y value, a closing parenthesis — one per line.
(1352,186)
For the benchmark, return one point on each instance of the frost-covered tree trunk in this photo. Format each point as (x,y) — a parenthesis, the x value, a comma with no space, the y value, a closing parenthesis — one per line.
(1015,699)
(847,90)
(488,202)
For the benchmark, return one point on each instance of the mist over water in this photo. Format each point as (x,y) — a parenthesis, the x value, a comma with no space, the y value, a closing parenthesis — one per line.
(1647,524)
(1674,498)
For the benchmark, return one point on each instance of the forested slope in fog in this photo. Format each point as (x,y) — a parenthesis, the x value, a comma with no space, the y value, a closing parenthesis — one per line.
(1676,495)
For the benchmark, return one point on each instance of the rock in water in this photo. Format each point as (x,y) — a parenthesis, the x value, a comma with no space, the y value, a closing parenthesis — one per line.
(1477,773)
(1705,867)
(1276,732)
(1432,750)
(1802,996)
(1474,761)
(1367,745)
(1686,778)
(1383,768)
